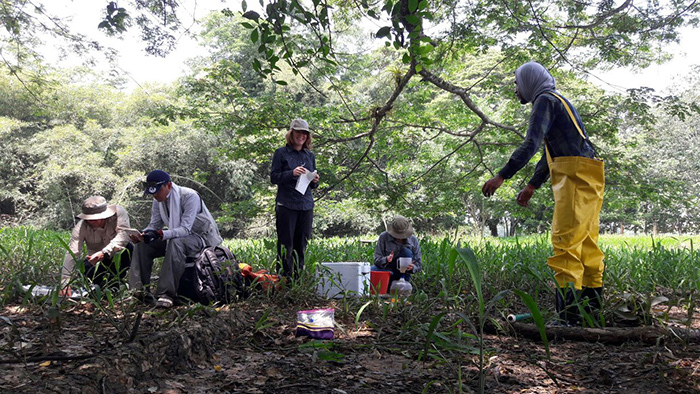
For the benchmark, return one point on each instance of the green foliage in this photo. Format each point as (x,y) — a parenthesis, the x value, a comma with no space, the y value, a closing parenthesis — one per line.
(116,19)
(28,257)
(399,128)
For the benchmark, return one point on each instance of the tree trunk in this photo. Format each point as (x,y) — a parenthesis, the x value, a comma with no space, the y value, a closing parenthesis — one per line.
(493,227)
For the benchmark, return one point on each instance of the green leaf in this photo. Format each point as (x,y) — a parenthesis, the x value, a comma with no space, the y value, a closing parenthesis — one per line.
(423,5)
(359,312)
(469,258)
(452,256)
(425,49)
(254,36)
(316,344)
(396,10)
(406,58)
(252,15)
(419,67)
(431,330)
(330,356)
(383,32)
(536,316)
(110,298)
(412,5)
(279,82)
(412,19)
(244,5)
(247,25)
(388,6)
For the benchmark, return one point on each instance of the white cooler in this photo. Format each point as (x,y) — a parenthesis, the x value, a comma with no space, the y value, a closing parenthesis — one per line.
(349,277)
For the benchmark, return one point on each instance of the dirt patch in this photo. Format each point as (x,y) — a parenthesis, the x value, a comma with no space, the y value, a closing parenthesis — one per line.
(251,348)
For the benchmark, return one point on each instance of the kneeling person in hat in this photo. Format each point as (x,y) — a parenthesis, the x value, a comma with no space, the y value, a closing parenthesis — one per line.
(190,228)
(100,229)
(396,242)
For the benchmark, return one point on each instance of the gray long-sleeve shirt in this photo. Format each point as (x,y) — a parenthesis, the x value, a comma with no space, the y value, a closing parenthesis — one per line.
(387,244)
(194,217)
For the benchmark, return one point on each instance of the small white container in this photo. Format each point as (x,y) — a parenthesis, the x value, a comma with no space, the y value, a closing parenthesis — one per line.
(404,262)
(350,277)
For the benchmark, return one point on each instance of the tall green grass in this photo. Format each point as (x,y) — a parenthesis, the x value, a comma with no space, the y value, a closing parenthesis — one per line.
(29,256)
(633,263)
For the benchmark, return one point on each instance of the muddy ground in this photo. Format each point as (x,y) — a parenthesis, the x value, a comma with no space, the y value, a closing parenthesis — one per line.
(251,348)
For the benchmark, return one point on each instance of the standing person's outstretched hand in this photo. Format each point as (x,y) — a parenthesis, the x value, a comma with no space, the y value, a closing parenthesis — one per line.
(524,196)
(492,185)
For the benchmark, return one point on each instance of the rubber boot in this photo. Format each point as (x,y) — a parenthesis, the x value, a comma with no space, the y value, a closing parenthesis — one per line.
(573,315)
(566,308)
(560,307)
(594,295)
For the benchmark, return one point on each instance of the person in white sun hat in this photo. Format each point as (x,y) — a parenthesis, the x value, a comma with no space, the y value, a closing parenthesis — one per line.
(100,230)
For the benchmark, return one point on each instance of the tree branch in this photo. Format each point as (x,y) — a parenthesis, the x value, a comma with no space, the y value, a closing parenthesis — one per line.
(377,117)
(462,93)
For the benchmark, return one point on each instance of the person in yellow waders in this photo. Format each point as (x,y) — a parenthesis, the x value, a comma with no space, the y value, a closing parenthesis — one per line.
(578,182)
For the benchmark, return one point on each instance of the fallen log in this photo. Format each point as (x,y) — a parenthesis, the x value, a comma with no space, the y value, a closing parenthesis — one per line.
(610,335)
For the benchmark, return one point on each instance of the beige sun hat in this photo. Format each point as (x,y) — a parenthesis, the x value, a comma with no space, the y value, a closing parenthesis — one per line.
(399,227)
(95,208)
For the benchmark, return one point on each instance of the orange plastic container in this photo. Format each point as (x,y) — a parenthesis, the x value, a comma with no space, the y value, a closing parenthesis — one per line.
(380,281)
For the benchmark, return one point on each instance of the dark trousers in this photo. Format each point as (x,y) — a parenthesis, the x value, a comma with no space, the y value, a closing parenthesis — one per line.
(293,233)
(109,271)
(176,251)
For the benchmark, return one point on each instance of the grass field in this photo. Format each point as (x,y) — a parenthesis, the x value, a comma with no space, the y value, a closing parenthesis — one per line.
(639,265)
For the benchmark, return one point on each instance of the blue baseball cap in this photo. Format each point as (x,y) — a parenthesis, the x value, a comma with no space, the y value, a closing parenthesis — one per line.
(154,181)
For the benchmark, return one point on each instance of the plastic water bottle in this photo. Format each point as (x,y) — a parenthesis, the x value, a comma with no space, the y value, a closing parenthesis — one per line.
(401,287)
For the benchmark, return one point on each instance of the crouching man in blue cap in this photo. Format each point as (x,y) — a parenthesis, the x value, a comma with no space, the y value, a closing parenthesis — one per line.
(190,228)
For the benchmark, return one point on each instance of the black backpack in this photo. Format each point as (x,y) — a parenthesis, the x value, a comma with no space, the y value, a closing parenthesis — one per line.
(213,277)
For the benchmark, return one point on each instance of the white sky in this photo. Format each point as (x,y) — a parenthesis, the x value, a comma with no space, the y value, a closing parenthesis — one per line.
(135,63)
(659,77)
(141,68)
